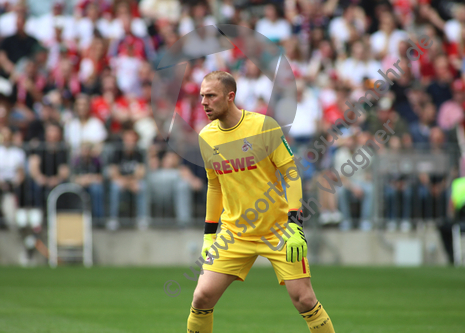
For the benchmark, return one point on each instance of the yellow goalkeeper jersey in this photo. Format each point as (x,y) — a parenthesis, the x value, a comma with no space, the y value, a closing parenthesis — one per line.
(245,159)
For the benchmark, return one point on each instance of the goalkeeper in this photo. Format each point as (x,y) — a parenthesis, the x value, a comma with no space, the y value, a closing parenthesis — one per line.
(242,152)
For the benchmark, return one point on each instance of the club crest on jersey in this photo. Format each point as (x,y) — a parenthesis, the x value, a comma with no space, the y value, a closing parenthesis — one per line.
(216,150)
(247,145)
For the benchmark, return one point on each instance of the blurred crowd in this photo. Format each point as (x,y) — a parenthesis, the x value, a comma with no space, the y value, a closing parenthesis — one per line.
(75,100)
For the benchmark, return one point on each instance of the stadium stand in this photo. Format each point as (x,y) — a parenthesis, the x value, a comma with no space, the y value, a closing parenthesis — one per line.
(75,77)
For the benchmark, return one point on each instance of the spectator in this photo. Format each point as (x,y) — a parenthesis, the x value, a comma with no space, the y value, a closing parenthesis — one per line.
(84,127)
(384,114)
(322,65)
(439,89)
(125,23)
(44,87)
(452,28)
(194,17)
(359,186)
(451,111)
(12,163)
(35,132)
(347,28)
(127,42)
(127,172)
(433,186)
(251,86)
(17,46)
(29,86)
(420,130)
(142,116)
(385,42)
(307,121)
(402,89)
(398,191)
(9,15)
(45,25)
(161,9)
(359,66)
(48,165)
(173,184)
(111,106)
(273,26)
(87,172)
(329,212)
(295,56)
(59,49)
(189,108)
(126,67)
(93,64)
(91,24)
(65,79)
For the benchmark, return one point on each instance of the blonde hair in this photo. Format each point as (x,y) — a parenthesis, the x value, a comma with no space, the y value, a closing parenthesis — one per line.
(226,79)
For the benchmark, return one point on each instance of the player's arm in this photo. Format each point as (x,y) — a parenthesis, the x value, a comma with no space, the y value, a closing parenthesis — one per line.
(214,210)
(294,185)
(296,244)
(282,157)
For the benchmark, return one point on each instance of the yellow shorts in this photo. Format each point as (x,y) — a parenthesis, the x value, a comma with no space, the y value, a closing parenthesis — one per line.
(239,257)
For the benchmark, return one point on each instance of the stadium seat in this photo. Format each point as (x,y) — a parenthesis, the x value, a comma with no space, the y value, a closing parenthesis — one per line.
(69,225)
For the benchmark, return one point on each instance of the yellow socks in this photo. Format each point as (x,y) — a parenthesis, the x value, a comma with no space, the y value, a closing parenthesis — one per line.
(200,321)
(318,320)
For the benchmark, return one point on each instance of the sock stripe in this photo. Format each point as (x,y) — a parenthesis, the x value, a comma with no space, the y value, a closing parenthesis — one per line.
(201,311)
(313,312)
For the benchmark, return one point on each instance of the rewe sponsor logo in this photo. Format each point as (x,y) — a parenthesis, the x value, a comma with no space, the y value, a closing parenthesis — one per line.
(237,164)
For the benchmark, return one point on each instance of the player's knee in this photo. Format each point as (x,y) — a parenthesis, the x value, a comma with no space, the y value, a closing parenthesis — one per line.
(203,299)
(306,302)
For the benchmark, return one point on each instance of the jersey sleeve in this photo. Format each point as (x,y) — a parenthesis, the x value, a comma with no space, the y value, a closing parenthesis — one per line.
(294,188)
(214,194)
(279,150)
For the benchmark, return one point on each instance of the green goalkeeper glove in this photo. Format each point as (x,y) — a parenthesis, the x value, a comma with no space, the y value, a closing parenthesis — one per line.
(296,244)
(208,240)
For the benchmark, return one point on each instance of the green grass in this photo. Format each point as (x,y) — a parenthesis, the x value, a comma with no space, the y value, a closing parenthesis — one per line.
(116,300)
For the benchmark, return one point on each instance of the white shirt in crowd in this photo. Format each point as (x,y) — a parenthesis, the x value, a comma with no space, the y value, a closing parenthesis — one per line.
(275,31)
(92,131)
(11,159)
(452,29)
(250,89)
(378,41)
(8,25)
(127,71)
(186,24)
(355,70)
(85,30)
(339,31)
(342,155)
(307,115)
(138,28)
(44,27)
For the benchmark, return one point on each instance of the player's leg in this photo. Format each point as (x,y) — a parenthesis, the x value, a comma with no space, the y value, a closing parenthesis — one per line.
(230,261)
(210,287)
(296,277)
(304,299)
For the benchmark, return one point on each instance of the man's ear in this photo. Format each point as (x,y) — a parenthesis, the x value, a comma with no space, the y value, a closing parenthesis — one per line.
(231,96)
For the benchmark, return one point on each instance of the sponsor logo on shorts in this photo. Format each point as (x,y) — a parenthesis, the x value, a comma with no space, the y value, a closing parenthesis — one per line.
(209,258)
